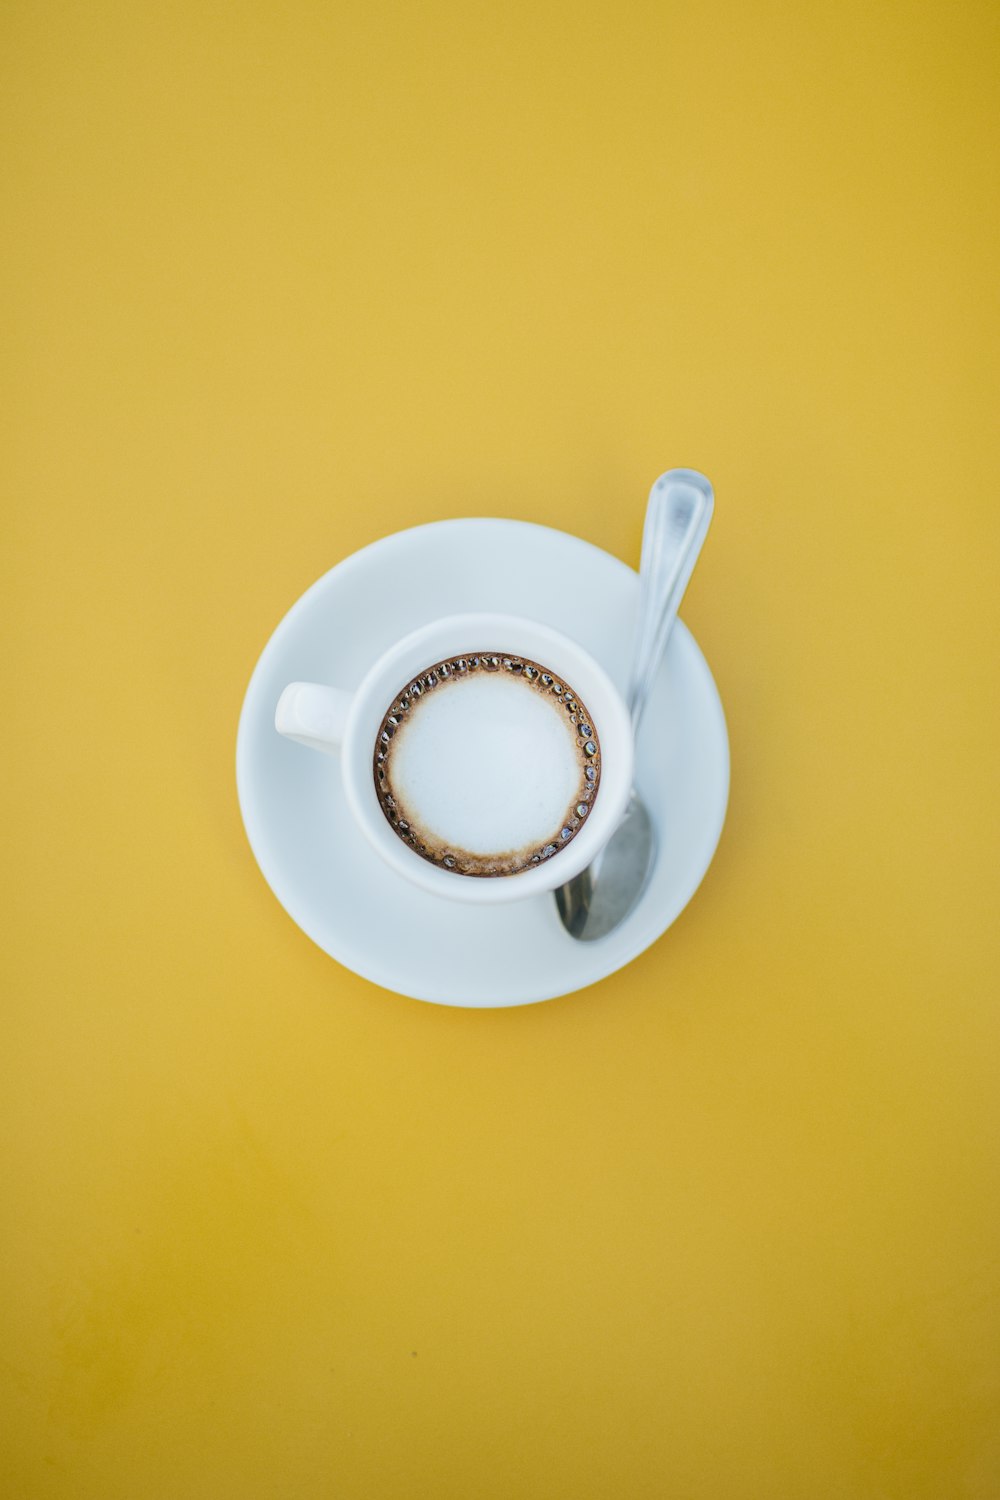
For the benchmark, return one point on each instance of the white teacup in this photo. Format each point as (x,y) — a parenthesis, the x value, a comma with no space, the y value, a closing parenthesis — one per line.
(329,719)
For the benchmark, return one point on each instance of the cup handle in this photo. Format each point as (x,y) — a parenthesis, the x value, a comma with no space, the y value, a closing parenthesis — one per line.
(312,714)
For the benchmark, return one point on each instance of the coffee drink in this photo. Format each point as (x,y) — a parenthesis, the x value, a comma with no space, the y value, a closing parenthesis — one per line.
(487,764)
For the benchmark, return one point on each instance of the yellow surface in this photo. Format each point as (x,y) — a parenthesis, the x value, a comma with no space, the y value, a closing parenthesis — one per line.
(279,279)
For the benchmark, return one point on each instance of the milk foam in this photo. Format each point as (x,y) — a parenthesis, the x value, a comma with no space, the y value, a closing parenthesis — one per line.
(487,764)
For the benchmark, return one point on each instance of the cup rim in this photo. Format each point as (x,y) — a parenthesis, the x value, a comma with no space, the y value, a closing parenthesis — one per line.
(458,635)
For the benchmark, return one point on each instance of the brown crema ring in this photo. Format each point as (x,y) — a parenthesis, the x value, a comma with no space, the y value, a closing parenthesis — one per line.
(504,861)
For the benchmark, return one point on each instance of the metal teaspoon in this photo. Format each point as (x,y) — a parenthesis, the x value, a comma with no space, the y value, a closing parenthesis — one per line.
(677,520)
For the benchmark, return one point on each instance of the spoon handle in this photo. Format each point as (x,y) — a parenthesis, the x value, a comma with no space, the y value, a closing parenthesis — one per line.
(677,520)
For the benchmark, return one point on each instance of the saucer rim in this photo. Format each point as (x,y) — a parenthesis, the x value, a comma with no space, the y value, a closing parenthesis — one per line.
(361,962)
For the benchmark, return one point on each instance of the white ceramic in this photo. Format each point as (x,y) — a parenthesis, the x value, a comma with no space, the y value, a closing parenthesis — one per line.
(323,869)
(327,718)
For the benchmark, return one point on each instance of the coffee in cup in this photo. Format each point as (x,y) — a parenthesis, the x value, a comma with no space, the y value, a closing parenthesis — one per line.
(487,764)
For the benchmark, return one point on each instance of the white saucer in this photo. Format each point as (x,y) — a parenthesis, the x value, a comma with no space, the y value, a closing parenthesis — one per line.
(320,866)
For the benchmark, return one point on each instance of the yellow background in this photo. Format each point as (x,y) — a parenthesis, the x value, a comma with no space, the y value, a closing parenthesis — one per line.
(279,279)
